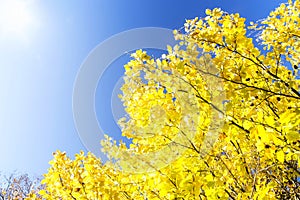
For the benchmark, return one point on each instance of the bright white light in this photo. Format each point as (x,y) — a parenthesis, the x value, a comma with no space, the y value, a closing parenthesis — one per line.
(15,17)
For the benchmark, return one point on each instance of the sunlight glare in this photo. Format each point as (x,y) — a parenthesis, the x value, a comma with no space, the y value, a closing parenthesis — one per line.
(15,17)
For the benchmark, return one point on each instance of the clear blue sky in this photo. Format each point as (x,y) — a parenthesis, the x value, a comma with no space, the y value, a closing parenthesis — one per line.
(39,62)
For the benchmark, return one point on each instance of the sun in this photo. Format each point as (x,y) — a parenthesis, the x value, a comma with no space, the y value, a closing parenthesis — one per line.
(16,18)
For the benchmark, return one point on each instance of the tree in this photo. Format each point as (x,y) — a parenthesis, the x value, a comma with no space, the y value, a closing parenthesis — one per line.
(19,186)
(221,113)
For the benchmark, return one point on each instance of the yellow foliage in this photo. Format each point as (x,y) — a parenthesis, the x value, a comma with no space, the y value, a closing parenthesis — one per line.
(181,149)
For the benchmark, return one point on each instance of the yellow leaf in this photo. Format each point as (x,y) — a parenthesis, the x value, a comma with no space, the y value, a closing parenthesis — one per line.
(280,156)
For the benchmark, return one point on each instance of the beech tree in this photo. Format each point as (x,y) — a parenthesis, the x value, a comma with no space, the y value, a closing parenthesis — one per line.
(215,118)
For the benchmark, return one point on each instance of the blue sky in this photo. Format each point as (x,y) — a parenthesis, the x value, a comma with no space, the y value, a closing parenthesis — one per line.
(39,62)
